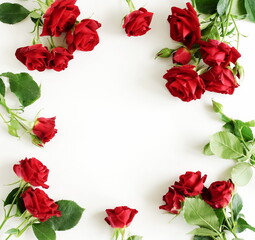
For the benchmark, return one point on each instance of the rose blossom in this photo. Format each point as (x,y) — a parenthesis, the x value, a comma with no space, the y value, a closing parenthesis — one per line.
(220,80)
(35,57)
(173,201)
(219,194)
(32,171)
(60,58)
(190,184)
(182,56)
(84,36)
(60,17)
(39,205)
(137,22)
(184,83)
(184,25)
(120,217)
(44,129)
(216,53)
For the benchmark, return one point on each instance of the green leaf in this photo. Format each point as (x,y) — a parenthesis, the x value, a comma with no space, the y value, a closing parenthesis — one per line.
(9,199)
(20,207)
(13,231)
(220,214)
(242,130)
(207,6)
(43,231)
(241,173)
(202,238)
(24,87)
(135,237)
(242,225)
(207,150)
(238,8)
(203,232)
(222,7)
(12,13)
(70,215)
(13,127)
(250,123)
(237,205)
(2,87)
(198,212)
(226,145)
(250,8)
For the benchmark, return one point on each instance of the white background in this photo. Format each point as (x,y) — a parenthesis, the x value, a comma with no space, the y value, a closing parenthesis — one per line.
(122,138)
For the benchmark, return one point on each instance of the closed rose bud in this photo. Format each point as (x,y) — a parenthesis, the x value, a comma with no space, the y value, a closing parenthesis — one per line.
(165,53)
(182,56)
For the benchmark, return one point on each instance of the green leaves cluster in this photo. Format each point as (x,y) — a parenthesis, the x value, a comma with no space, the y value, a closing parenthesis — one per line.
(235,142)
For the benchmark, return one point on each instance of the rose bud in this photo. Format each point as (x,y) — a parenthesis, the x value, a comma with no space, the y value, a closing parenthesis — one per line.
(60,58)
(190,184)
(184,25)
(32,171)
(137,22)
(44,130)
(219,194)
(182,56)
(173,201)
(165,53)
(84,36)
(220,80)
(35,57)
(39,205)
(184,83)
(60,17)
(216,53)
(120,217)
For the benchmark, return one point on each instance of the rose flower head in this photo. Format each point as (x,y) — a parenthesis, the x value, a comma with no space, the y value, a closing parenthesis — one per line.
(32,171)
(219,194)
(60,17)
(173,201)
(137,22)
(182,56)
(39,205)
(60,58)
(120,217)
(43,130)
(190,184)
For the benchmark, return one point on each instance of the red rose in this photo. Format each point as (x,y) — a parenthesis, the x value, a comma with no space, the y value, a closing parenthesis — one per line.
(44,129)
(84,37)
(215,53)
(184,83)
(190,184)
(38,204)
(173,201)
(182,56)
(35,57)
(60,17)
(60,58)
(137,22)
(219,194)
(120,217)
(220,80)
(32,171)
(184,25)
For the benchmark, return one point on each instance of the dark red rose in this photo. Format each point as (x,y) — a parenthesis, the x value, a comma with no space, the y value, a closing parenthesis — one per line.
(184,83)
(84,37)
(32,171)
(173,201)
(60,17)
(120,217)
(38,204)
(184,25)
(219,194)
(138,22)
(60,58)
(35,57)
(182,56)
(190,184)
(44,130)
(220,80)
(215,53)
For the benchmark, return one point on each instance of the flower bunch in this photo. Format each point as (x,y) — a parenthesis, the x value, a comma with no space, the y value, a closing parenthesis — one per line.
(120,218)
(53,19)
(34,207)
(41,130)
(137,22)
(216,210)
(235,141)
(205,60)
